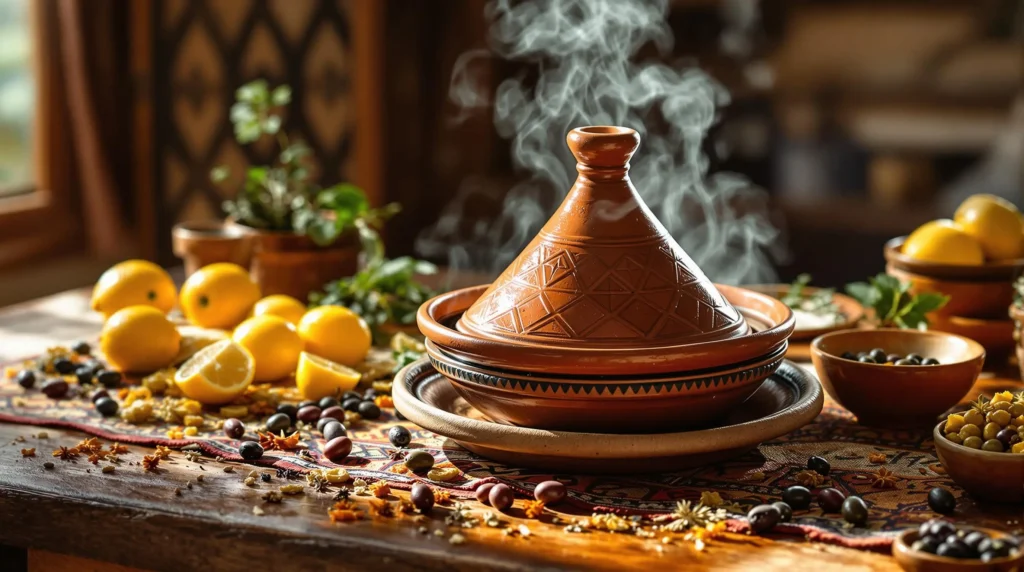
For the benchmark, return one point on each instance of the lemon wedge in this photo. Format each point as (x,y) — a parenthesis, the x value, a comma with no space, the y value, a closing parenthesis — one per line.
(317,377)
(216,374)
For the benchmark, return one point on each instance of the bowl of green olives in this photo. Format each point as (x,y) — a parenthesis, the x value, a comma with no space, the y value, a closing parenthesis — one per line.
(983,454)
(940,546)
(896,378)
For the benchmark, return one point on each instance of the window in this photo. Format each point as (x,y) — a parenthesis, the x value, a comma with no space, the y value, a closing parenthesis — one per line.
(17,99)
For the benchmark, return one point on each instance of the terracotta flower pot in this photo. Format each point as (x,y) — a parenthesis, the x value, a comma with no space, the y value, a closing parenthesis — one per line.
(1017,315)
(202,243)
(292,264)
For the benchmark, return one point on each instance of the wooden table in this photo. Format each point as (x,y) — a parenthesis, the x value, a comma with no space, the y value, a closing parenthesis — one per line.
(73,517)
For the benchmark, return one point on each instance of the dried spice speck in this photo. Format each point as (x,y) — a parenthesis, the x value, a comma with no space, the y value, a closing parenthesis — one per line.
(229,469)
(442,496)
(533,509)
(457,539)
(443,474)
(884,479)
(249,482)
(878,458)
(150,462)
(382,508)
(809,479)
(380,489)
(28,452)
(66,453)
(118,449)
(292,489)
(257,511)
(200,478)
(108,469)
(272,497)
(48,465)
(43,435)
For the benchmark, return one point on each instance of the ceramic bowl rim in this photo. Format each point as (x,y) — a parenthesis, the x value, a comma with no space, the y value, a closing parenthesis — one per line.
(990,271)
(976,349)
(561,358)
(901,545)
(939,436)
(775,290)
(809,402)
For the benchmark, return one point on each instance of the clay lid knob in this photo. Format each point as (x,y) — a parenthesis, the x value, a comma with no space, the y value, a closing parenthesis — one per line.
(603,146)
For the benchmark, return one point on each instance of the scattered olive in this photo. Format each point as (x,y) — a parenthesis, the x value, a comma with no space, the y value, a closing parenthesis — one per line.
(419,461)
(333,430)
(483,492)
(84,374)
(785,510)
(831,500)
(234,428)
(501,497)
(351,395)
(278,422)
(55,388)
(855,511)
(98,394)
(941,501)
(109,378)
(326,402)
(265,477)
(290,410)
(63,365)
(763,518)
(369,410)
(82,348)
(422,497)
(106,406)
(337,449)
(323,421)
(549,492)
(250,450)
(351,404)
(306,403)
(819,465)
(399,436)
(336,413)
(797,497)
(26,378)
(309,414)
(370,393)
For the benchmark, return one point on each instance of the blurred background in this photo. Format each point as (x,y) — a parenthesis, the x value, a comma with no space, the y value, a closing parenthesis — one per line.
(860,119)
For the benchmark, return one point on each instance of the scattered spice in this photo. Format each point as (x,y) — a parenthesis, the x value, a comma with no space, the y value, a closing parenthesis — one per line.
(534,508)
(342,494)
(405,505)
(809,479)
(48,465)
(609,522)
(272,497)
(271,442)
(249,482)
(162,452)
(257,511)
(492,520)
(177,492)
(150,462)
(443,474)
(754,477)
(193,456)
(688,515)
(442,496)
(292,488)
(66,453)
(457,539)
(384,401)
(95,458)
(711,499)
(381,508)
(344,511)
(229,469)
(884,479)
(118,449)
(28,452)
(108,469)
(43,435)
(380,489)
(878,458)
(200,478)
(90,445)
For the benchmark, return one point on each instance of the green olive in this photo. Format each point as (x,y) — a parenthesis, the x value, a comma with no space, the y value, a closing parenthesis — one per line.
(1001,405)
(955,437)
(990,430)
(994,445)
(973,442)
(970,430)
(973,417)
(1017,409)
(1000,416)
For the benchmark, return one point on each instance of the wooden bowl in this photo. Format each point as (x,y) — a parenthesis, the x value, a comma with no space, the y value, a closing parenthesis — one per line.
(995,271)
(850,308)
(606,404)
(986,475)
(788,400)
(996,336)
(888,395)
(916,561)
(771,320)
(973,299)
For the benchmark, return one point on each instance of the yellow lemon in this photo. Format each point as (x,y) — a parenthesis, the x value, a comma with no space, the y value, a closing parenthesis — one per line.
(995,223)
(218,296)
(282,306)
(273,343)
(944,242)
(335,333)
(317,377)
(139,339)
(217,374)
(133,283)
(194,338)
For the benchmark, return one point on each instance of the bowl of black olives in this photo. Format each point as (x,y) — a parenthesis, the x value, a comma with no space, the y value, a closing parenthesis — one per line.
(940,546)
(892,377)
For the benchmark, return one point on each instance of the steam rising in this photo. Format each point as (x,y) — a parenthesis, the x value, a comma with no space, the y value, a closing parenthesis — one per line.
(583,51)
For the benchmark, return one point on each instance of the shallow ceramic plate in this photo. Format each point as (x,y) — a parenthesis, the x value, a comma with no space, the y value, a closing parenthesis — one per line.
(851,309)
(788,400)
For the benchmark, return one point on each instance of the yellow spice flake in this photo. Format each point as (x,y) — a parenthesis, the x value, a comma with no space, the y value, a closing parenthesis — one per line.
(193,420)
(191,431)
(443,474)
(291,489)
(238,411)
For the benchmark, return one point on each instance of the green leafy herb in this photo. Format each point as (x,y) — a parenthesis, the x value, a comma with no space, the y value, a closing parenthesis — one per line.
(820,302)
(893,304)
(281,196)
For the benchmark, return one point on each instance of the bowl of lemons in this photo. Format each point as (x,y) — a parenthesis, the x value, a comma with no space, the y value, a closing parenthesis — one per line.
(973,258)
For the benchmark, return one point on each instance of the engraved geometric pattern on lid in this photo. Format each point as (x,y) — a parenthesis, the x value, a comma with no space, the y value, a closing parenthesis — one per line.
(605,293)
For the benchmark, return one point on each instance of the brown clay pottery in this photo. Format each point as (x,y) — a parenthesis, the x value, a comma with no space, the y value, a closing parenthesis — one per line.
(851,311)
(788,400)
(202,243)
(292,264)
(986,475)
(637,403)
(890,395)
(976,299)
(995,271)
(919,561)
(1017,316)
(996,336)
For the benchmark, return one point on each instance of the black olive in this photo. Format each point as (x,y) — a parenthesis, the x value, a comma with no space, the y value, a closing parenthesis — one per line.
(278,422)
(290,410)
(763,518)
(370,393)
(84,374)
(951,550)
(831,500)
(26,378)
(82,348)
(914,358)
(109,378)
(323,421)
(55,388)
(306,403)
(988,556)
(399,436)
(63,365)
(937,529)
(926,544)
(941,501)
(234,428)
(369,410)
(328,402)
(866,359)
(422,497)
(929,361)
(333,430)
(250,450)
(106,406)
(797,497)
(785,510)
(862,355)
(351,404)
(265,477)
(878,354)
(855,511)
(849,355)
(351,395)
(892,358)
(819,465)
(903,362)
(973,540)
(96,395)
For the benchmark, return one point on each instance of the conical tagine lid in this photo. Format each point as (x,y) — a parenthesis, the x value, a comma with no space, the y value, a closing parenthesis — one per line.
(603,272)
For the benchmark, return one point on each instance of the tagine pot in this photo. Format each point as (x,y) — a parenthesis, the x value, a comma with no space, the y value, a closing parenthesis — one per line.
(292,264)
(604,294)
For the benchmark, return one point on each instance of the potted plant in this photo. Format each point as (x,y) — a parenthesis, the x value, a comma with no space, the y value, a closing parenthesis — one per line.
(1017,315)
(301,235)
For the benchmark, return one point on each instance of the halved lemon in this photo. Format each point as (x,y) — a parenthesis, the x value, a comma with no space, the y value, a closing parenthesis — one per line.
(216,374)
(317,377)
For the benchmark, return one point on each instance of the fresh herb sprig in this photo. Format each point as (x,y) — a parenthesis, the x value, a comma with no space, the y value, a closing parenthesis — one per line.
(820,302)
(893,304)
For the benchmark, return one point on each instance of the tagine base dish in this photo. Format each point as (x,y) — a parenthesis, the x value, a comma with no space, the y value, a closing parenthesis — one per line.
(786,401)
